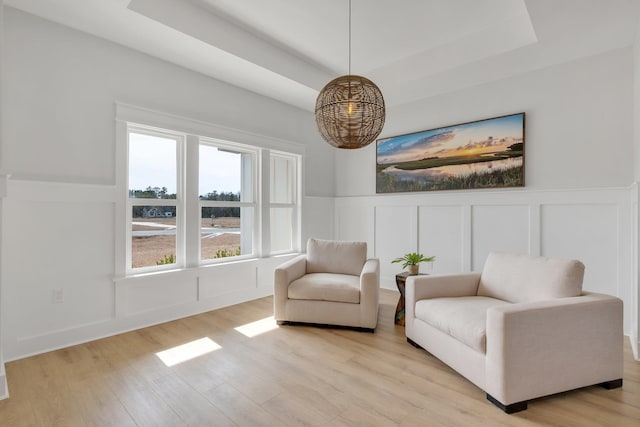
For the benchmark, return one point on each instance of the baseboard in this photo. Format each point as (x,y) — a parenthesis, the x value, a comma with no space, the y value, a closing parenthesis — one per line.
(54,340)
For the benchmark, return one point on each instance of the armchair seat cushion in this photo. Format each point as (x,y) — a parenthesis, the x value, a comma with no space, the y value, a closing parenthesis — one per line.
(326,287)
(463,318)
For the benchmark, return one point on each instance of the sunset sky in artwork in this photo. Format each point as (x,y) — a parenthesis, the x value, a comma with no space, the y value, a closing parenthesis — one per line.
(487,136)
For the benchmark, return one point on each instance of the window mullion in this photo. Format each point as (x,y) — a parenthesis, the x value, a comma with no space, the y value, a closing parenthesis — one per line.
(192,203)
(265,199)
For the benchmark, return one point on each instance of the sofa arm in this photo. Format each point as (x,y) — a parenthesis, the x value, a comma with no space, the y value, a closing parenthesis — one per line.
(284,274)
(540,348)
(441,286)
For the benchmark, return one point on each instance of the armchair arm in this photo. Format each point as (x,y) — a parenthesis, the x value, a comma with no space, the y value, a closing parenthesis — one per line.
(370,293)
(545,347)
(370,279)
(284,274)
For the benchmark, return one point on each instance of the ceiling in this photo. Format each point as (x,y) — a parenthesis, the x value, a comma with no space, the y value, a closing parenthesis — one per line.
(413,49)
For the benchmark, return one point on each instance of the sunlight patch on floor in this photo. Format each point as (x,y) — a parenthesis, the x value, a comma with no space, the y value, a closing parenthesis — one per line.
(188,351)
(258,327)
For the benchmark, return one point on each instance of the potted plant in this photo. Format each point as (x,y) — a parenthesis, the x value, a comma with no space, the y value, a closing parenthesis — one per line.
(412,260)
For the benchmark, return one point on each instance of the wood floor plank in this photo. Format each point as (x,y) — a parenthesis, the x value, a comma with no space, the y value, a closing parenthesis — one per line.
(239,408)
(17,411)
(288,376)
(191,406)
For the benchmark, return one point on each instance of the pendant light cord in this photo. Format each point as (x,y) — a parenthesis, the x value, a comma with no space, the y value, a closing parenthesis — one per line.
(349,37)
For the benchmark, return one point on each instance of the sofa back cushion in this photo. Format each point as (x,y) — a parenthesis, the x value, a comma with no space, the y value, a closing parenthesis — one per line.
(331,256)
(524,278)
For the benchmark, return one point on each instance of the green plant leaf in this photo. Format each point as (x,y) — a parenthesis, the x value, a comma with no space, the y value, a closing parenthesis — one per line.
(413,258)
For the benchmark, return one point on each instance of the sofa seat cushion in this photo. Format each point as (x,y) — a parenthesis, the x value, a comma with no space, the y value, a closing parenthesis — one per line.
(326,287)
(463,318)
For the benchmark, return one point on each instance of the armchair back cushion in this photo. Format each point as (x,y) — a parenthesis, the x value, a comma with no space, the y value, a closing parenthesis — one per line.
(330,256)
(523,278)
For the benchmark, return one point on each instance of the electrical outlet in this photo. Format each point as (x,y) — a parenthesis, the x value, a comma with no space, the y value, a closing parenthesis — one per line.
(57,296)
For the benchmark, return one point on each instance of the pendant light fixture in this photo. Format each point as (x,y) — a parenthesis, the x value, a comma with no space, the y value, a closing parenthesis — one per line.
(350,109)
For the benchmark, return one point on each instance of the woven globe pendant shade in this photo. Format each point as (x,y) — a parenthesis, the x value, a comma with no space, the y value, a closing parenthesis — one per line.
(350,112)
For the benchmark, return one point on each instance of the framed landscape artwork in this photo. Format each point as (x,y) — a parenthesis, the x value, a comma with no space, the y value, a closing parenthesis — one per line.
(483,154)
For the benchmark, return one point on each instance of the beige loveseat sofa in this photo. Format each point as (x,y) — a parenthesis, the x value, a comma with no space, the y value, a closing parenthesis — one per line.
(333,284)
(521,329)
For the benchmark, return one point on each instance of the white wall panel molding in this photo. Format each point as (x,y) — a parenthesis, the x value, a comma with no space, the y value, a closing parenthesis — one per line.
(461,228)
(59,192)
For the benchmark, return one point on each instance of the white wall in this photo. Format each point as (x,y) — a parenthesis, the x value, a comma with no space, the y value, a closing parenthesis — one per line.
(60,93)
(58,145)
(577,201)
(578,124)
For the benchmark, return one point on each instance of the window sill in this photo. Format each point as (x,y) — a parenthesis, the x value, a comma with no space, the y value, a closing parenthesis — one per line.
(199,268)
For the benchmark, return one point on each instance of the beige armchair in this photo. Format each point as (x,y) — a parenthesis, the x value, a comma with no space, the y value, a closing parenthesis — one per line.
(333,284)
(520,330)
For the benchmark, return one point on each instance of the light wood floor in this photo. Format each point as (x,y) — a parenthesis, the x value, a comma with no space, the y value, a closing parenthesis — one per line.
(289,376)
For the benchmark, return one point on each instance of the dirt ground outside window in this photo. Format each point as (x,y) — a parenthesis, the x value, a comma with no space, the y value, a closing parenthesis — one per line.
(148,250)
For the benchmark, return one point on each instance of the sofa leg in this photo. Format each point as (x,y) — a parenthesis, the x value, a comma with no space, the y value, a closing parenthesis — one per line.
(612,384)
(508,409)
(413,343)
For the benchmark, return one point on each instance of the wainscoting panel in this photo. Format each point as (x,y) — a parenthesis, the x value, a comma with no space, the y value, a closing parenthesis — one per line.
(440,233)
(355,222)
(588,233)
(461,228)
(498,228)
(395,231)
(143,294)
(222,279)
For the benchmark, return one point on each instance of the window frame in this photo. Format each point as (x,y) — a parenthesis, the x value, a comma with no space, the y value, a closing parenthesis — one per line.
(294,205)
(254,153)
(178,203)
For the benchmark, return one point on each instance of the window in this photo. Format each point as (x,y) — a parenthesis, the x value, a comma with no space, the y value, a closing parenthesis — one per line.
(227,204)
(193,200)
(282,205)
(153,203)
